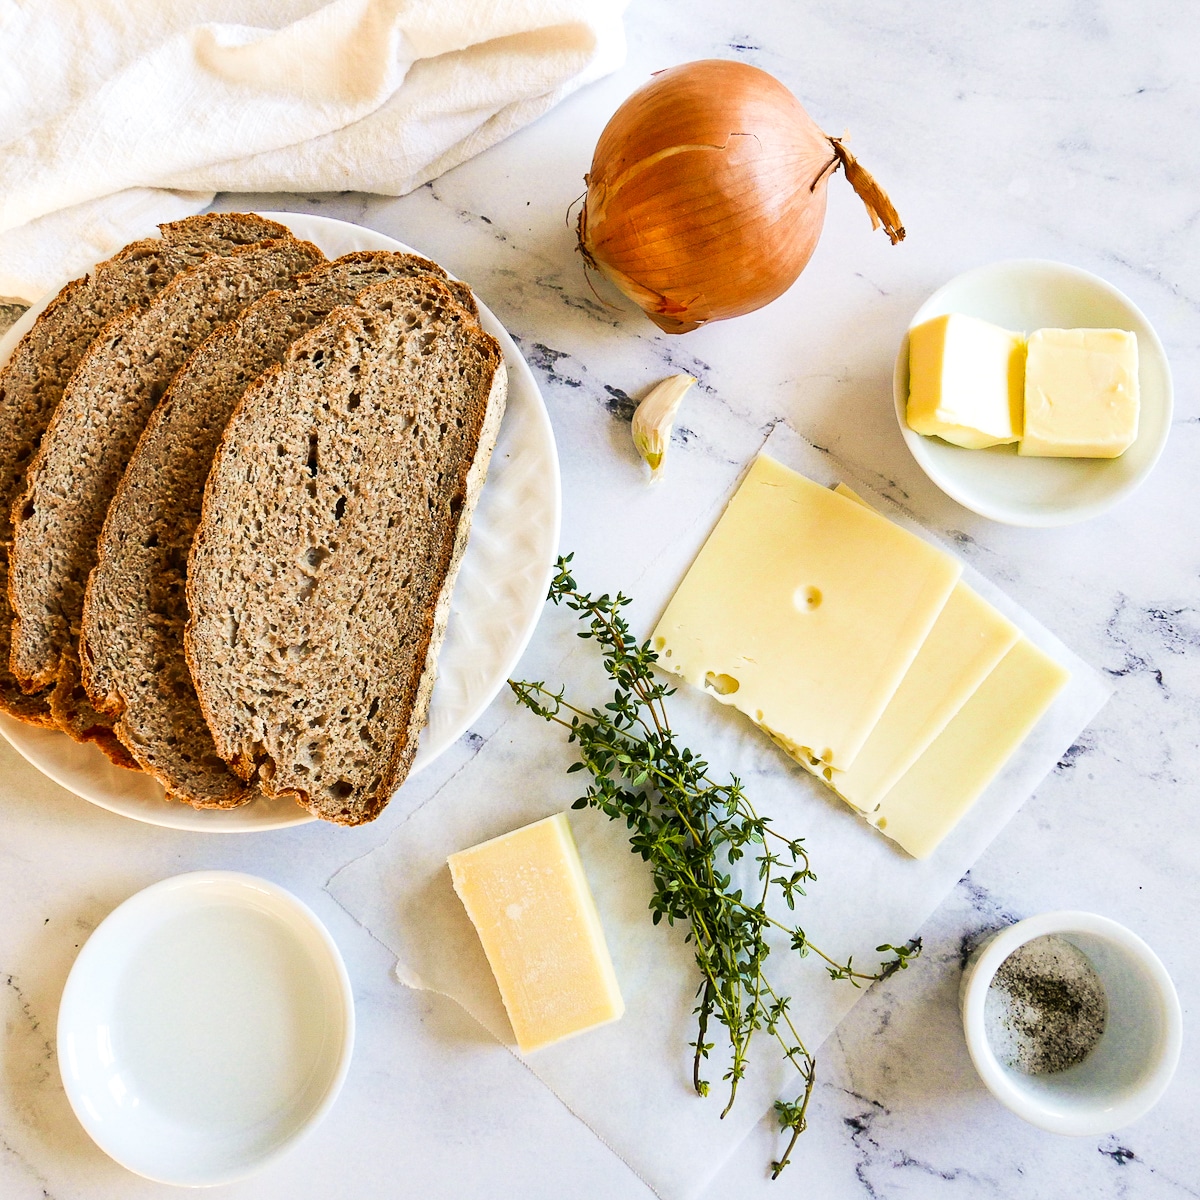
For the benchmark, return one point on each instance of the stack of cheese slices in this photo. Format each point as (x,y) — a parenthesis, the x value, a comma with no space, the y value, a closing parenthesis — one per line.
(858,648)
(236,483)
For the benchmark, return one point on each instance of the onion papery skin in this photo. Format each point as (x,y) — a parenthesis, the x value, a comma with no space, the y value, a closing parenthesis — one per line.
(706,195)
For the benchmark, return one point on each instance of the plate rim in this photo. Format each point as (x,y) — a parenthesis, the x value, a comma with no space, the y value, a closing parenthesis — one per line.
(128,917)
(916,442)
(183,817)
(17,734)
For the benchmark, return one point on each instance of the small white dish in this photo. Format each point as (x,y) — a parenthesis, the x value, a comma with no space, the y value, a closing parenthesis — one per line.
(205,1027)
(1135,1058)
(1024,295)
(498,597)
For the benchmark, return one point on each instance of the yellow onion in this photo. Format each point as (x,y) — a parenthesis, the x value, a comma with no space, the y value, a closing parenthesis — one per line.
(706,195)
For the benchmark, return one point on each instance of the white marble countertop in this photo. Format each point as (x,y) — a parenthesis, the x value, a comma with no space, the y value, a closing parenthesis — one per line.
(1052,130)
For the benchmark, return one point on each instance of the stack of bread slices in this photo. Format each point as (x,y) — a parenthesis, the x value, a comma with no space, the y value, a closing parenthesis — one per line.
(236,483)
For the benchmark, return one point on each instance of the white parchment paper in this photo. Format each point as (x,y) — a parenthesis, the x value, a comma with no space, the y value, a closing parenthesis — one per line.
(631,1081)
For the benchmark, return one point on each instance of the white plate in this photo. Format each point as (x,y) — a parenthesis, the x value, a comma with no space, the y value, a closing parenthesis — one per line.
(206,1026)
(497,600)
(1024,295)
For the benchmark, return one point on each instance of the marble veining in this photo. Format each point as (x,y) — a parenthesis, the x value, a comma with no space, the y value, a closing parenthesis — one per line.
(1059,130)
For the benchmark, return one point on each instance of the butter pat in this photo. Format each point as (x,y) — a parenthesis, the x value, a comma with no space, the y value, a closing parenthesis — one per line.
(1081,393)
(529,900)
(804,610)
(965,381)
(940,787)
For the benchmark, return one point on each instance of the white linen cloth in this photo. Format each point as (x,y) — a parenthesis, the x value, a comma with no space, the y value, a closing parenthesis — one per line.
(117,114)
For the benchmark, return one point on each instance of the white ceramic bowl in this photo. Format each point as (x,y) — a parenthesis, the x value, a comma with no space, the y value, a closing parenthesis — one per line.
(1131,1065)
(205,1027)
(1024,295)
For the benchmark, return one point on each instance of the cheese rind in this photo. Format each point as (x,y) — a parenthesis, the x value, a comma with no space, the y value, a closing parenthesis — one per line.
(940,787)
(804,610)
(1081,394)
(965,381)
(528,898)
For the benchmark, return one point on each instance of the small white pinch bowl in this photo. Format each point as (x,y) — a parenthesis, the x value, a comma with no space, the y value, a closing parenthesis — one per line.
(1131,1065)
(206,1026)
(1024,295)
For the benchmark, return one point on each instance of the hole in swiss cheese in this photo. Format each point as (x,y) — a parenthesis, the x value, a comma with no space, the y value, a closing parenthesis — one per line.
(723,685)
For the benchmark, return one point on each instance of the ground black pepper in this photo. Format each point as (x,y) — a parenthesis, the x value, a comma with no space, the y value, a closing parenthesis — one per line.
(1046,1008)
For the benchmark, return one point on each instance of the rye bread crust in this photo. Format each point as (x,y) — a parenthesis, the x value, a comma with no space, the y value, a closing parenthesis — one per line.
(334,519)
(33,379)
(131,645)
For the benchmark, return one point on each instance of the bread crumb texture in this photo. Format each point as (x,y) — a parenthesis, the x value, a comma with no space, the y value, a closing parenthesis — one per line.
(135,609)
(334,518)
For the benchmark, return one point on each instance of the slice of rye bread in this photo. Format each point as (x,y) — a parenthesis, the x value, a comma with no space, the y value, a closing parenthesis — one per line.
(131,643)
(87,446)
(335,517)
(37,371)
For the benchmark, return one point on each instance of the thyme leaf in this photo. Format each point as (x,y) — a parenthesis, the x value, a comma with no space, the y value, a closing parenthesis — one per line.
(691,830)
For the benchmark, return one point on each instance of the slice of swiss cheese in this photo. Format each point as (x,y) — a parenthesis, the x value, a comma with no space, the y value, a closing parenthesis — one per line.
(966,642)
(804,610)
(933,794)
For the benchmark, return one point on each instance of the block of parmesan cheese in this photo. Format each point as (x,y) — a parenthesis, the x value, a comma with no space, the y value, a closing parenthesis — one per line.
(529,900)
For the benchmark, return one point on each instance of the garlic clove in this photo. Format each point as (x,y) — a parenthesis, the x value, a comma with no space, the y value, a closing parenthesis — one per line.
(654,417)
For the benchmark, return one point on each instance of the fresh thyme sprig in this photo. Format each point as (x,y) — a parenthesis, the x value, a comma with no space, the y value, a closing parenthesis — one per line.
(692,830)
